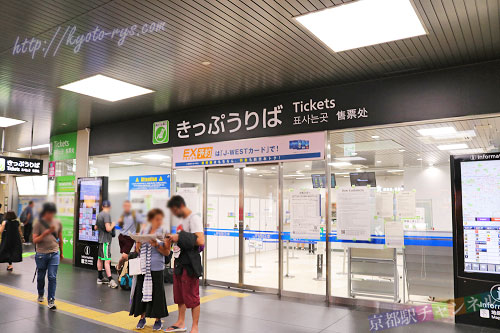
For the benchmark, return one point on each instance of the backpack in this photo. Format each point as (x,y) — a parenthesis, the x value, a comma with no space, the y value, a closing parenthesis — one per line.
(24,216)
(137,225)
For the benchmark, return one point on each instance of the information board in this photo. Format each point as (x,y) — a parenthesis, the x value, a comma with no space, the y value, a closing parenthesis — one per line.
(476,238)
(88,207)
(481,216)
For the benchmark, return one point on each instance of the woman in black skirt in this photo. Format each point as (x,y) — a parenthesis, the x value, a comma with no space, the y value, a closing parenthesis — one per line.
(11,248)
(148,298)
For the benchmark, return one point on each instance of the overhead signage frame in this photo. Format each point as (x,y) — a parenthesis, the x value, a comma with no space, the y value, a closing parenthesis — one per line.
(309,146)
(21,166)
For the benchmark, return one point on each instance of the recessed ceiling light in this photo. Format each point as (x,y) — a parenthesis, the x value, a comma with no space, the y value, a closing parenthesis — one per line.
(453,146)
(154,157)
(370,22)
(307,166)
(206,63)
(347,159)
(127,163)
(379,161)
(395,170)
(437,131)
(340,164)
(106,88)
(375,137)
(341,173)
(273,168)
(419,159)
(402,150)
(46,145)
(260,175)
(248,169)
(7,122)
(221,170)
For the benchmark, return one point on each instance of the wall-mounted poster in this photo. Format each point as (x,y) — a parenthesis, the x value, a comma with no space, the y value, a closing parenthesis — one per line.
(305,215)
(353,213)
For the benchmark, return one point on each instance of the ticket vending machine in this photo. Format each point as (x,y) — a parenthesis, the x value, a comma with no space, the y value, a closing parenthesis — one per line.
(91,191)
(476,238)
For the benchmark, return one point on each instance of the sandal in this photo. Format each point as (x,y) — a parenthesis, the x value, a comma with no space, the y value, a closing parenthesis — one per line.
(176,329)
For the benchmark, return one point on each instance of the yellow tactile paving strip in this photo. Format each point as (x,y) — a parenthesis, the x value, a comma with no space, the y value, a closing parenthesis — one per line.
(118,319)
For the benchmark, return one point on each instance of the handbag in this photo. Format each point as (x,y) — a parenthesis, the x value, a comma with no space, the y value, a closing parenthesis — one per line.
(134,266)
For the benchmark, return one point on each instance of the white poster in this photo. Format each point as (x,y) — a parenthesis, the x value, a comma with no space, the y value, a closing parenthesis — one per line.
(385,204)
(394,234)
(305,215)
(406,204)
(353,213)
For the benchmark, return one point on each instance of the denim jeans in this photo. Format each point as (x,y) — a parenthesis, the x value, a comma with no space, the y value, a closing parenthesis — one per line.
(47,262)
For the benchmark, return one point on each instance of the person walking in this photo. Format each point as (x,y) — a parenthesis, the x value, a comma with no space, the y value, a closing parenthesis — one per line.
(27,220)
(47,236)
(130,223)
(148,300)
(105,227)
(11,248)
(190,241)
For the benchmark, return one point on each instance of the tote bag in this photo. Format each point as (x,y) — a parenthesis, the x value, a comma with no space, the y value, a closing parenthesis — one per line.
(134,267)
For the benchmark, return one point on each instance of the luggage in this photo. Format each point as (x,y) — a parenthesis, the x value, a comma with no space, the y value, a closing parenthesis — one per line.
(125,280)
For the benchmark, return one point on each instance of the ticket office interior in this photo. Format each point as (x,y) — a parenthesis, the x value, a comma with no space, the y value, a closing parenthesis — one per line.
(408,157)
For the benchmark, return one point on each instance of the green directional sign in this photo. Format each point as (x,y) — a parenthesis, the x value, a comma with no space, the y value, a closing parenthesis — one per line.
(160,132)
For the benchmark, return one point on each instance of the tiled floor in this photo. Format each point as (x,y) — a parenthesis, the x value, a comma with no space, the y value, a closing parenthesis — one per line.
(255,313)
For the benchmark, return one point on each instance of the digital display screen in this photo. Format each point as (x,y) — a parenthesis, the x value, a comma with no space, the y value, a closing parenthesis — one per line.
(89,205)
(363,179)
(319,181)
(481,216)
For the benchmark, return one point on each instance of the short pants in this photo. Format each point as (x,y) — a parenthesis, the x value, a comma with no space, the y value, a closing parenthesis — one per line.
(186,290)
(104,252)
(126,243)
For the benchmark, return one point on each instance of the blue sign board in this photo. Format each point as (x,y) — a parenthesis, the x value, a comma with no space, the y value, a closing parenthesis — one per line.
(151,182)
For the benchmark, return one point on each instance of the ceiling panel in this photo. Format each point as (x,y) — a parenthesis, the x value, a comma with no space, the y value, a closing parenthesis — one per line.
(255,47)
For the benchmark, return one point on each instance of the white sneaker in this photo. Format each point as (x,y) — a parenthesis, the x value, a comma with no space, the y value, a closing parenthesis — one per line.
(51,304)
(113,284)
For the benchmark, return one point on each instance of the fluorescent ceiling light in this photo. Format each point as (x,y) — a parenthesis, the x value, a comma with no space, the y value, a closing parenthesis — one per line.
(347,159)
(154,157)
(468,151)
(46,145)
(453,146)
(455,135)
(395,170)
(127,163)
(106,88)
(341,173)
(7,122)
(375,136)
(437,131)
(363,23)
(248,169)
(340,164)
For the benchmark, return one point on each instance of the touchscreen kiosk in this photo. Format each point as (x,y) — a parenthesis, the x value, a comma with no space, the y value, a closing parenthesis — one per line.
(90,192)
(476,237)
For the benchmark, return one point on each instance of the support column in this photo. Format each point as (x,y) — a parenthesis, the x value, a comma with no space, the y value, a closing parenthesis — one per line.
(82,153)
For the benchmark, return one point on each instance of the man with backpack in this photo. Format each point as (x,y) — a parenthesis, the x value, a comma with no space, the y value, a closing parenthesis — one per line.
(130,223)
(105,228)
(27,220)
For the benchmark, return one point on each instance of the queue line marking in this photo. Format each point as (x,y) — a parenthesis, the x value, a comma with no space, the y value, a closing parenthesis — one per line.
(119,319)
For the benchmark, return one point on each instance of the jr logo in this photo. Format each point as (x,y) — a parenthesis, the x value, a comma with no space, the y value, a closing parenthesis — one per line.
(160,132)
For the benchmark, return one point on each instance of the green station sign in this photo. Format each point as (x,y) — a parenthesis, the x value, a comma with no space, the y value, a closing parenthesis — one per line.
(63,147)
